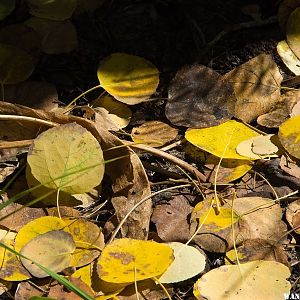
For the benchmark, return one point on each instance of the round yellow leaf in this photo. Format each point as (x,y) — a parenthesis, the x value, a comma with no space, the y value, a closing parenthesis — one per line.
(288,57)
(130,79)
(221,140)
(247,281)
(52,250)
(289,136)
(67,158)
(292,31)
(127,260)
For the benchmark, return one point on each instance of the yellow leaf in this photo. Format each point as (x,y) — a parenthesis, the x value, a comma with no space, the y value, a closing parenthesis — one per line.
(52,250)
(292,31)
(289,136)
(126,260)
(128,78)
(221,140)
(288,57)
(246,281)
(67,158)
(35,228)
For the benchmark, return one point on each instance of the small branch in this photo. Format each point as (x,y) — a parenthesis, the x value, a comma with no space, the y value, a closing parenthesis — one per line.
(29,119)
(15,144)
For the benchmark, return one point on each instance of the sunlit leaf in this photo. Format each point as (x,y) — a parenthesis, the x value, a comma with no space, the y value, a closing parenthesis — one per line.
(288,57)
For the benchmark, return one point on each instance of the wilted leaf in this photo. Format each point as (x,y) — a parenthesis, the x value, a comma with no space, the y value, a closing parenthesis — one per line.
(292,31)
(127,260)
(256,85)
(67,158)
(293,215)
(128,78)
(58,10)
(281,111)
(154,133)
(88,238)
(171,219)
(288,57)
(199,97)
(188,262)
(6,7)
(289,136)
(16,65)
(258,249)
(41,249)
(57,37)
(246,281)
(286,7)
(221,140)
(119,113)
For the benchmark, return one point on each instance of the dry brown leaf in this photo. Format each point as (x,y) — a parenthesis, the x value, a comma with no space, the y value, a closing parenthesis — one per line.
(296,110)
(290,166)
(256,85)
(281,111)
(129,186)
(199,97)
(171,219)
(286,7)
(35,94)
(258,249)
(293,215)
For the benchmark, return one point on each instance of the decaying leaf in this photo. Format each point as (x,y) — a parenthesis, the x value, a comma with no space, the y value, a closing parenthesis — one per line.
(289,136)
(154,133)
(40,249)
(67,158)
(221,140)
(127,260)
(257,249)
(199,97)
(171,219)
(6,7)
(256,85)
(188,262)
(57,37)
(128,78)
(288,57)
(58,10)
(246,281)
(286,7)
(293,215)
(292,31)
(290,166)
(281,111)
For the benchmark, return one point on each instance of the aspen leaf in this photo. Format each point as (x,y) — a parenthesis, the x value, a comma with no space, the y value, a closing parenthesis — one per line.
(188,262)
(221,140)
(293,215)
(67,158)
(128,78)
(289,136)
(126,260)
(6,7)
(246,281)
(288,57)
(154,133)
(292,31)
(37,227)
(285,8)
(42,250)
(199,97)
(58,10)
(16,65)
(256,85)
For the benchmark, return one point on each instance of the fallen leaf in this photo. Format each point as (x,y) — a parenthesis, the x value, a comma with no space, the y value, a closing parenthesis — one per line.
(221,140)
(171,219)
(57,37)
(289,136)
(6,7)
(293,215)
(127,260)
(288,57)
(40,249)
(154,133)
(67,158)
(58,10)
(285,8)
(295,110)
(256,85)
(290,166)
(128,78)
(188,262)
(245,281)
(199,97)
(257,249)
(292,31)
